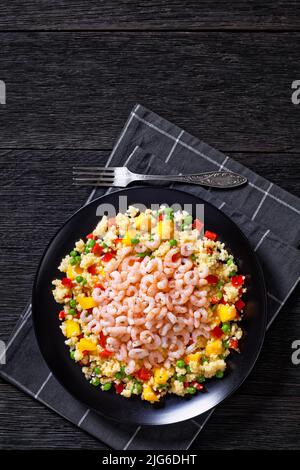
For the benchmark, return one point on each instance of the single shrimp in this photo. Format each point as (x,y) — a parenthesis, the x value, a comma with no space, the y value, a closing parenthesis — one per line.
(187,249)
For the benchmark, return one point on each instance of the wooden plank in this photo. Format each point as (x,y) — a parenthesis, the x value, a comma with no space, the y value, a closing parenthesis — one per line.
(170,14)
(76,89)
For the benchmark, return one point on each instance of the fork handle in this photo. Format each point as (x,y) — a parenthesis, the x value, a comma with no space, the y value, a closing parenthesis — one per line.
(213,179)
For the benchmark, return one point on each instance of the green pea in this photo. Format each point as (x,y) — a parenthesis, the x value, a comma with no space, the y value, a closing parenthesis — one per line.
(73,261)
(72,311)
(74,253)
(73,303)
(95,381)
(91,243)
(191,390)
(97,370)
(226,344)
(188,369)
(138,388)
(229,261)
(78,259)
(181,378)
(106,387)
(219,295)
(87,250)
(142,255)
(180,364)
(119,375)
(219,285)
(200,379)
(173,242)
(79,278)
(232,273)
(225,327)
(219,374)
(129,377)
(83,282)
(134,241)
(72,354)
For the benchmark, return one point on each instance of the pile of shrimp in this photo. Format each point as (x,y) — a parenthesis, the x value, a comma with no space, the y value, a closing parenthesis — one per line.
(151,311)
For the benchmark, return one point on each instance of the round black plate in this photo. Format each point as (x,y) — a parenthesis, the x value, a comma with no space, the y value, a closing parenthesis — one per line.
(134,410)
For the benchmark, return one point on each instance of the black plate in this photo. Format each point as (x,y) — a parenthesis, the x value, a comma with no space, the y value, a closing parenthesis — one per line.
(134,410)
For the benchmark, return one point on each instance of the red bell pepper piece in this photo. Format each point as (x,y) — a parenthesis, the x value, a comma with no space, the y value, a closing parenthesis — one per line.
(108,256)
(234,344)
(105,354)
(211,279)
(240,304)
(62,315)
(102,339)
(119,388)
(217,332)
(197,385)
(90,236)
(93,269)
(143,374)
(100,286)
(210,235)
(97,249)
(67,282)
(175,257)
(237,281)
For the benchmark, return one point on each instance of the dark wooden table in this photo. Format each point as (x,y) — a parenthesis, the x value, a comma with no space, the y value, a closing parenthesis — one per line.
(223,71)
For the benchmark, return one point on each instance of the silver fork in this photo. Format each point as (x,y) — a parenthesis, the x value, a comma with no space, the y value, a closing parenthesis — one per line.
(121,177)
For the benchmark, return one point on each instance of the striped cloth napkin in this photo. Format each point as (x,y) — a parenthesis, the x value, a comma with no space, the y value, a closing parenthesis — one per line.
(269,217)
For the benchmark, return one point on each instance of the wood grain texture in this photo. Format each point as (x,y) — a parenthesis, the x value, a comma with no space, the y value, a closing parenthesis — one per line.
(36,197)
(74,90)
(143,14)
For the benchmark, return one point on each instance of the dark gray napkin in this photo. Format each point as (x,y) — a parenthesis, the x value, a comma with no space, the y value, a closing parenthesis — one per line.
(269,217)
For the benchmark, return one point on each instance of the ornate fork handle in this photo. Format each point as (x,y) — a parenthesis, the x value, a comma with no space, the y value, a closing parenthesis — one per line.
(214,179)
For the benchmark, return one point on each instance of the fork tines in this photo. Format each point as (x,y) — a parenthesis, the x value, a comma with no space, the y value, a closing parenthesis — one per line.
(93,176)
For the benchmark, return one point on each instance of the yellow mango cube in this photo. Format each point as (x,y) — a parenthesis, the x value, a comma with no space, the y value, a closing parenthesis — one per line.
(149,395)
(86,345)
(193,357)
(86,302)
(72,328)
(214,348)
(161,375)
(226,312)
(165,229)
(73,271)
(143,223)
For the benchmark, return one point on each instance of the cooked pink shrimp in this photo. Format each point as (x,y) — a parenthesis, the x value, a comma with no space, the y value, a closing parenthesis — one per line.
(186,265)
(131,291)
(191,277)
(130,368)
(203,272)
(138,353)
(154,244)
(169,260)
(155,357)
(112,344)
(140,248)
(121,355)
(187,249)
